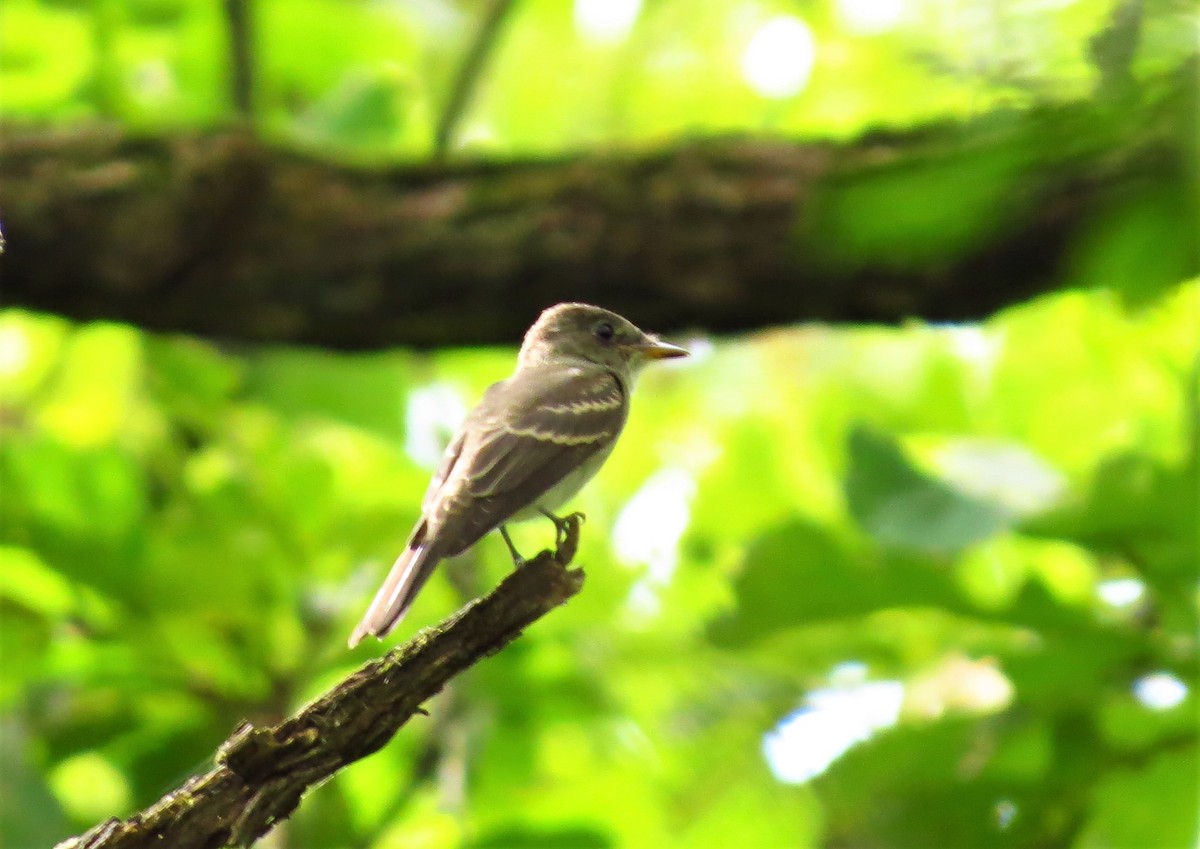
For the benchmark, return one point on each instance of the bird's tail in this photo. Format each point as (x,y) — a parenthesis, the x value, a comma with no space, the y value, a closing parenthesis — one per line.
(409,573)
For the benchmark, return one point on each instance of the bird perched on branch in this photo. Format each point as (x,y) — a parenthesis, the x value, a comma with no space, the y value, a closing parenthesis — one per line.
(531,443)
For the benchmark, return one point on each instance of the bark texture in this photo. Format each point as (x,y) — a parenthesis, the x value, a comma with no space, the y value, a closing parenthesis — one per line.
(261,774)
(221,234)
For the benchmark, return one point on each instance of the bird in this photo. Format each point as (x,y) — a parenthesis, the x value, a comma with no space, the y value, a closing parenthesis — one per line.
(527,448)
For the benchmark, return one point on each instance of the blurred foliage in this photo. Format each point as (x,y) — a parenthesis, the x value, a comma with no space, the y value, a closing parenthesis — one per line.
(368,79)
(929,585)
(189,534)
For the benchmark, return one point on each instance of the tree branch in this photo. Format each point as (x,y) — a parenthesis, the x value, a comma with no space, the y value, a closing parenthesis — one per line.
(240,24)
(262,773)
(221,234)
(468,75)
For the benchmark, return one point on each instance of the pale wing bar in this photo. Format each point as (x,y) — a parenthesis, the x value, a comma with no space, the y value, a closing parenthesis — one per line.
(569,420)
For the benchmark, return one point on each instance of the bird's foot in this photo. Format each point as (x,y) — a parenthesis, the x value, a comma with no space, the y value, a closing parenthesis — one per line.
(565,525)
(567,532)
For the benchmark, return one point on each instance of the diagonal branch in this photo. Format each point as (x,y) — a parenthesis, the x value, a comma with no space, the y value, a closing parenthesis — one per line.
(240,22)
(262,773)
(468,75)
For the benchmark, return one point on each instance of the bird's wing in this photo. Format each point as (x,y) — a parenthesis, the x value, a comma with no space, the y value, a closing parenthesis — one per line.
(547,428)
(525,437)
(449,458)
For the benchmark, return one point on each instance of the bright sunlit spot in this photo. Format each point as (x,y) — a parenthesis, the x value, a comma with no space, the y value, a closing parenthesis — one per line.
(434,412)
(1005,810)
(476,134)
(88,785)
(807,741)
(606,20)
(15,350)
(700,348)
(153,81)
(958,684)
(870,17)
(1006,473)
(1160,690)
(779,58)
(1121,592)
(977,346)
(648,529)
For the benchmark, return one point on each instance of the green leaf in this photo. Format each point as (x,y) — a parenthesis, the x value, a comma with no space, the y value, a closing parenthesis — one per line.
(364,390)
(191,380)
(90,786)
(98,376)
(520,836)
(875,219)
(1129,725)
(1138,505)
(26,580)
(24,642)
(904,508)
(30,345)
(1141,245)
(1151,806)
(798,574)
(29,813)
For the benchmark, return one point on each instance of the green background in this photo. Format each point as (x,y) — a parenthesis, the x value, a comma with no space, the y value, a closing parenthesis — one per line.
(847,586)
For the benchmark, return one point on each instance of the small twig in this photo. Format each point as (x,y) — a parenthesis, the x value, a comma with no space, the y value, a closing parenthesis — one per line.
(261,774)
(468,75)
(238,16)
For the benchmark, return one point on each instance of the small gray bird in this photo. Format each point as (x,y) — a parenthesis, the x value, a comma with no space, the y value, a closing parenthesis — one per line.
(527,448)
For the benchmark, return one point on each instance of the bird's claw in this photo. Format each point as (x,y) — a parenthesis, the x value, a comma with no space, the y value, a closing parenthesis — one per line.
(565,524)
(567,532)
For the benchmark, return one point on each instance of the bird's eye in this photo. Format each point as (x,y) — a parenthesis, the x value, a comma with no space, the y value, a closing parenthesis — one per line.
(604,331)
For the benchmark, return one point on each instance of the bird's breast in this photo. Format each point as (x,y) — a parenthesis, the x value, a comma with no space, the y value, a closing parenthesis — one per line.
(567,488)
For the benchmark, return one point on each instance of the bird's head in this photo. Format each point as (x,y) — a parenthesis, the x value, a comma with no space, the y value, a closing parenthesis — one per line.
(574,332)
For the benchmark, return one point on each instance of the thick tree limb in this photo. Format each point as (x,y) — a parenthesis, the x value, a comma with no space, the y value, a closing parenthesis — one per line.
(222,235)
(262,773)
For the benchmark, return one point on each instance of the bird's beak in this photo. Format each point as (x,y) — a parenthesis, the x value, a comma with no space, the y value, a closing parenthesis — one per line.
(654,349)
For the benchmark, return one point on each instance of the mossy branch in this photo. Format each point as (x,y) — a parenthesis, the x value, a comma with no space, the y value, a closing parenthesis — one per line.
(261,774)
(224,234)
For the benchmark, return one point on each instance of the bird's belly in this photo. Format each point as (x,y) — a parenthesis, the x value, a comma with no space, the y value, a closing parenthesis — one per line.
(564,490)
